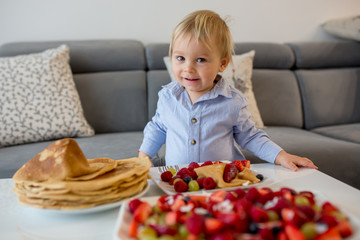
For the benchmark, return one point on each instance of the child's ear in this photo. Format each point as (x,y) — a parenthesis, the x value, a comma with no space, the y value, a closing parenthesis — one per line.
(224,63)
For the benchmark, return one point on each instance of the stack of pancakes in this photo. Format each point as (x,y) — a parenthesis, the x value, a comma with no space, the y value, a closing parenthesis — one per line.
(60,177)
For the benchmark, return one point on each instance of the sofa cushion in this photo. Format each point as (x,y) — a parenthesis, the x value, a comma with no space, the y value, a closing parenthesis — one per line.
(330,96)
(335,54)
(278,97)
(114,101)
(39,100)
(347,132)
(111,145)
(268,55)
(90,55)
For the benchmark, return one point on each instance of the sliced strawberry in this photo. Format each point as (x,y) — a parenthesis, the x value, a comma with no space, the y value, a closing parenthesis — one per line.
(228,219)
(245,163)
(163,229)
(345,229)
(238,165)
(332,233)
(217,196)
(133,204)
(178,203)
(172,218)
(230,172)
(293,233)
(132,232)
(252,194)
(293,216)
(212,225)
(163,203)
(328,208)
(142,212)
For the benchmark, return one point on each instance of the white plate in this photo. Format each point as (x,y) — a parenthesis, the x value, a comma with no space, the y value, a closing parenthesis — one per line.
(155,173)
(98,208)
(124,218)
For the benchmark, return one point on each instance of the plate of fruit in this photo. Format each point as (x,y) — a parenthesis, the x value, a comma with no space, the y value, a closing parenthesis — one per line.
(207,177)
(254,213)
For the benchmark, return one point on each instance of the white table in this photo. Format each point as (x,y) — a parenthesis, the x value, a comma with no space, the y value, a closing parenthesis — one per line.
(18,222)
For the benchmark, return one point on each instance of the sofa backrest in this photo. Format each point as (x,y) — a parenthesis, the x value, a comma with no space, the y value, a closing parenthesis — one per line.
(110,78)
(329,80)
(274,84)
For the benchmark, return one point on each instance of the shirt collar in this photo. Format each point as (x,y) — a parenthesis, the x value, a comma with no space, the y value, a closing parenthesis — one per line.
(221,88)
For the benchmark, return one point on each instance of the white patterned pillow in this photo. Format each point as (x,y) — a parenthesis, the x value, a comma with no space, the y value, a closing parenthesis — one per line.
(39,100)
(238,74)
(347,28)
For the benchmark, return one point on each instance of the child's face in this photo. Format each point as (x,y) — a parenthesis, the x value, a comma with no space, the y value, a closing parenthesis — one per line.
(195,66)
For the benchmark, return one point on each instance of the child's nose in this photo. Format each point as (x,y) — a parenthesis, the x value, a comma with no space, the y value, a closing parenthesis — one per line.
(189,67)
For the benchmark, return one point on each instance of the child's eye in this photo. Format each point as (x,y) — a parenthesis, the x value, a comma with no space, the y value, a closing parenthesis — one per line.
(180,58)
(199,60)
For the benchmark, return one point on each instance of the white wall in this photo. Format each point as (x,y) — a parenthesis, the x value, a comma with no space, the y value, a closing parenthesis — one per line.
(153,20)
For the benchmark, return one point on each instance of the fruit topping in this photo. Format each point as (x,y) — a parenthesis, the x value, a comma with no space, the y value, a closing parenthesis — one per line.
(166,176)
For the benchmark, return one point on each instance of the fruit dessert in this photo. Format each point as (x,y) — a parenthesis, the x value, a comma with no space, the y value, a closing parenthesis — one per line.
(253,214)
(211,175)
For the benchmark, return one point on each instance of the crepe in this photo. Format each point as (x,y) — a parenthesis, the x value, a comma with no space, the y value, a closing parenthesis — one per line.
(216,171)
(61,177)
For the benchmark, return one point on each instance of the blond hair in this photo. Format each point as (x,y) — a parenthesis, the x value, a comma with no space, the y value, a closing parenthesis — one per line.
(205,26)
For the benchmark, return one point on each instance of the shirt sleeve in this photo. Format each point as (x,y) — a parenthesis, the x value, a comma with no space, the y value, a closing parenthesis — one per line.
(154,132)
(252,139)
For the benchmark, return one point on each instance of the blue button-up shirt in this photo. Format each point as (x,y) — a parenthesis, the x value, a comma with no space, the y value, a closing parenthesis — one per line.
(209,129)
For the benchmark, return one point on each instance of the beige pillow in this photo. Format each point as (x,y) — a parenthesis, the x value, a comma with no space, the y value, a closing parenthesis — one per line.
(38,99)
(238,74)
(347,28)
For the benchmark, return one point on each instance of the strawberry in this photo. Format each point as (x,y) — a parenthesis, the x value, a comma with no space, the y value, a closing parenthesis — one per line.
(133,204)
(172,218)
(217,196)
(178,203)
(166,176)
(212,225)
(132,232)
(293,233)
(307,210)
(328,208)
(293,216)
(209,183)
(332,233)
(266,233)
(329,220)
(230,172)
(195,224)
(345,229)
(258,214)
(230,196)
(163,203)
(193,165)
(142,212)
(238,165)
(222,236)
(180,186)
(245,163)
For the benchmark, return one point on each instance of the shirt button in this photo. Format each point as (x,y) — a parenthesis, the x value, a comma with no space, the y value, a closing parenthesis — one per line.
(193,120)
(193,142)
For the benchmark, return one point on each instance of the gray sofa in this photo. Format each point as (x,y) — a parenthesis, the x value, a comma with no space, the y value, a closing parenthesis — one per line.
(308,95)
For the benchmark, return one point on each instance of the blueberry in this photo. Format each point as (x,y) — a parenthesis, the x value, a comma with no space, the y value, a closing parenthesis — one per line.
(260,176)
(187,199)
(187,179)
(276,230)
(253,228)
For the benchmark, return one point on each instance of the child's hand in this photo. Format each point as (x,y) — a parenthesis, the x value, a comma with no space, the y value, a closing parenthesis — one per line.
(142,155)
(292,161)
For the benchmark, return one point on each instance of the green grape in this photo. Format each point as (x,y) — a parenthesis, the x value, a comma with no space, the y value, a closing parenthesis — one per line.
(166,237)
(309,230)
(193,185)
(183,232)
(148,238)
(301,200)
(173,171)
(273,216)
(146,231)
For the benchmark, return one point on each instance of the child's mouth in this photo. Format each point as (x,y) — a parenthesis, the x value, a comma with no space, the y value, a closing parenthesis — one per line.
(191,79)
